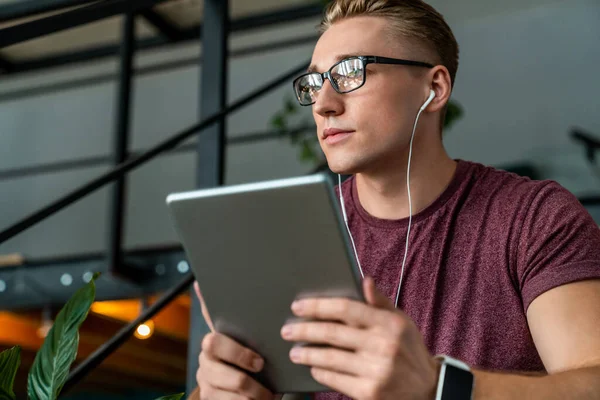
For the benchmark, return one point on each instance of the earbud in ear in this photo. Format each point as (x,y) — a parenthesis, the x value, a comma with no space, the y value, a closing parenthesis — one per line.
(431,97)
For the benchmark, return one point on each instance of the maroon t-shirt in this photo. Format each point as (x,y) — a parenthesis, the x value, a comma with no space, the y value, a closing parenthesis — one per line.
(478,256)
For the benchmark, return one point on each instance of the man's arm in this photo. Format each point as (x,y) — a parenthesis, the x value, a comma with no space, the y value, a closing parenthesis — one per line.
(565,325)
(578,384)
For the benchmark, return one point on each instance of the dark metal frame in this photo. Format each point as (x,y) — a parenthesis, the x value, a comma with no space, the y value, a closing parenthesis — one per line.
(121,148)
(6,65)
(130,164)
(211,145)
(40,283)
(124,163)
(213,93)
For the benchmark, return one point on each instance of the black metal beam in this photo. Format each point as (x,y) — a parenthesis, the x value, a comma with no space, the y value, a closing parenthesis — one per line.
(121,146)
(49,168)
(213,92)
(52,282)
(27,8)
(6,65)
(211,145)
(166,28)
(70,19)
(96,53)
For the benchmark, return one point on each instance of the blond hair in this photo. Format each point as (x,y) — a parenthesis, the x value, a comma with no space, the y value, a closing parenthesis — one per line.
(411,19)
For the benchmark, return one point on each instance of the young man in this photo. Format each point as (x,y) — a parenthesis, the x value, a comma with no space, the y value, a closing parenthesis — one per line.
(501,272)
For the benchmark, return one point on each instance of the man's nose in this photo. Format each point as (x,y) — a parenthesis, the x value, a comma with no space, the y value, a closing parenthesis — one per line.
(328,100)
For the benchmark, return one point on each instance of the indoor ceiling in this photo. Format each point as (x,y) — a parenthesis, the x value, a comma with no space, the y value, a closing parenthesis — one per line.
(175,19)
(172,21)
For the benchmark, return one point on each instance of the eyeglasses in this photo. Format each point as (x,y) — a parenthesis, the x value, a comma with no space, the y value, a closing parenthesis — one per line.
(345,76)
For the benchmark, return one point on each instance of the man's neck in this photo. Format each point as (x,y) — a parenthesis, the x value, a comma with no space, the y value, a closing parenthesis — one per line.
(383,193)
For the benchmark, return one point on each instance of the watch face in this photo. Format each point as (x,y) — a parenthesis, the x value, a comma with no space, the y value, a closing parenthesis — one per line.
(458,384)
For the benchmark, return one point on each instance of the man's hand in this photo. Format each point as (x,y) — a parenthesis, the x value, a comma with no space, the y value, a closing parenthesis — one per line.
(217,378)
(376,351)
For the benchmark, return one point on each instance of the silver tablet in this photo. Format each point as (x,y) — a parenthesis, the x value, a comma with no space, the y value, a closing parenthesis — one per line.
(254,249)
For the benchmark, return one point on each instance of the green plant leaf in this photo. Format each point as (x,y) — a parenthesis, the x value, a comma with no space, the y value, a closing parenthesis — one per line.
(172,397)
(453,113)
(290,106)
(50,368)
(10,360)
(278,122)
(307,152)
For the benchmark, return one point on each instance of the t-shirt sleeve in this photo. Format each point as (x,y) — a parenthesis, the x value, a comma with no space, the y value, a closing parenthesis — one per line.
(559,243)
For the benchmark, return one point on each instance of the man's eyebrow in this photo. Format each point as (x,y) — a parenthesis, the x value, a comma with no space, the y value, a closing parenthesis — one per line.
(339,57)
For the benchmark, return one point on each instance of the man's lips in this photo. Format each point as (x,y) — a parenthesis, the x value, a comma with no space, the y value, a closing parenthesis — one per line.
(334,131)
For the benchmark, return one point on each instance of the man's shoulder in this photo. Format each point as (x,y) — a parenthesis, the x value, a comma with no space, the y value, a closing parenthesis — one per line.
(503,191)
(500,183)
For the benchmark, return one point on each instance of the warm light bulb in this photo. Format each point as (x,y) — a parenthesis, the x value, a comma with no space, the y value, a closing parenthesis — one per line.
(44,329)
(145,330)
(46,323)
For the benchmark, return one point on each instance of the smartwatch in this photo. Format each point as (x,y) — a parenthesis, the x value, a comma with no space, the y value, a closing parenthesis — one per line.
(455,381)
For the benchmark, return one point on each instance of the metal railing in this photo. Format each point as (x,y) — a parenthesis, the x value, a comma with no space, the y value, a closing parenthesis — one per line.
(86,14)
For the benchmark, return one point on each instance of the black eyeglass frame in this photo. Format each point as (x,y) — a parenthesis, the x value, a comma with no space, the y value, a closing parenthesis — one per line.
(366,60)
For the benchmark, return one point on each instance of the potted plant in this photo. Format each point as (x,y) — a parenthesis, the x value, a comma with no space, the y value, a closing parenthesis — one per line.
(52,363)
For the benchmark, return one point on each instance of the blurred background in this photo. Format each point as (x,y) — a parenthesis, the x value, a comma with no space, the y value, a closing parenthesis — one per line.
(85,85)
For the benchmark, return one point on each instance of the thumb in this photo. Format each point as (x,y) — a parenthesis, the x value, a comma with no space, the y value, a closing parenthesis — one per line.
(203,306)
(374,297)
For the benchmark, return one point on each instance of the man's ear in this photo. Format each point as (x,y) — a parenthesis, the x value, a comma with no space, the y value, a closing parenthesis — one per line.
(441,84)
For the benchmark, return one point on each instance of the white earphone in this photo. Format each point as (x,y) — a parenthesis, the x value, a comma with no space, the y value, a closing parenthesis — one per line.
(423,107)
(431,97)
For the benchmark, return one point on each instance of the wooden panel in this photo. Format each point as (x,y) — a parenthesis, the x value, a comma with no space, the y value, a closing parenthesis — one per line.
(172,321)
(156,363)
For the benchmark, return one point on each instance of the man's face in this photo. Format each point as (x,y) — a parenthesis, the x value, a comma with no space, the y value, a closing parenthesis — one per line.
(379,115)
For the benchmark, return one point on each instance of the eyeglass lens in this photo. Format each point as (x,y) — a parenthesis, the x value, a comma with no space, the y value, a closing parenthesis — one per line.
(346,76)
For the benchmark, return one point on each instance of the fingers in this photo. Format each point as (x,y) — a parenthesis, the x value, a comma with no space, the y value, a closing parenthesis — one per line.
(329,358)
(218,380)
(218,376)
(343,383)
(218,394)
(348,311)
(375,343)
(374,297)
(203,306)
(330,333)
(223,348)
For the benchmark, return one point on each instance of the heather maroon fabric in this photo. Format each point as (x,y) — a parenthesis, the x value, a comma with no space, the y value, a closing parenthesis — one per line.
(478,256)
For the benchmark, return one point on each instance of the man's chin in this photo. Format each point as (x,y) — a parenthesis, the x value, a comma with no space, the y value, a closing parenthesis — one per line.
(343,169)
